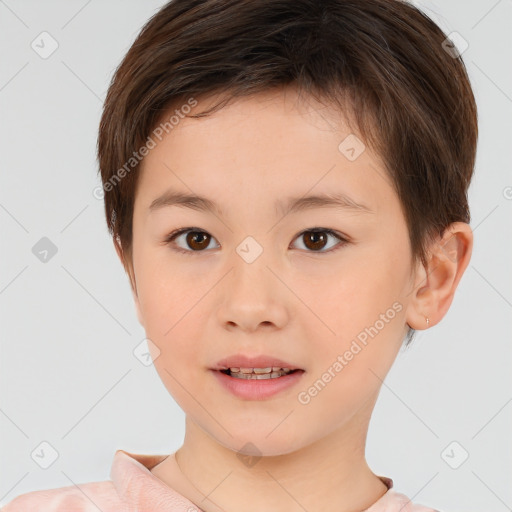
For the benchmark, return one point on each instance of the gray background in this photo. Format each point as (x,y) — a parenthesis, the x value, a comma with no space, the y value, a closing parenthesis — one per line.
(68,374)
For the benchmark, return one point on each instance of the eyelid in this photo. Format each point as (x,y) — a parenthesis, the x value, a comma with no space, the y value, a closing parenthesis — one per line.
(344,240)
(177,232)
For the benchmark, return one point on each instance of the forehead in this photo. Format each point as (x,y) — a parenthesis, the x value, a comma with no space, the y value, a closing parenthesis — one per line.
(260,147)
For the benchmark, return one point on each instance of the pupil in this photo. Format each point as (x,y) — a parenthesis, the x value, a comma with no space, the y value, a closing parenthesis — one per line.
(193,235)
(315,236)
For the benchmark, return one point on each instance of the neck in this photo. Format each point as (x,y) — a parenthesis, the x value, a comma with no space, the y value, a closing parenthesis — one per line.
(330,474)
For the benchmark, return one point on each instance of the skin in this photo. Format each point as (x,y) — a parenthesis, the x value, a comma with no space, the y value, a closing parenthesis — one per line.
(302,306)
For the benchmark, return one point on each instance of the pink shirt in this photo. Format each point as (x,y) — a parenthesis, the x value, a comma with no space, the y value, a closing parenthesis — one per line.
(133,488)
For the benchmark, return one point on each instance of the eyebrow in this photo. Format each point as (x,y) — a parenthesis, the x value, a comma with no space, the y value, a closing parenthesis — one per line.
(338,200)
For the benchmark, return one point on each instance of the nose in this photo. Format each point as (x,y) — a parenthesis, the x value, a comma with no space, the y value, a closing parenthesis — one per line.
(253,296)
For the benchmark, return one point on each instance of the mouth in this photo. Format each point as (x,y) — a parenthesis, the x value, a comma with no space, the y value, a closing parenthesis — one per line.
(255,367)
(258,382)
(270,372)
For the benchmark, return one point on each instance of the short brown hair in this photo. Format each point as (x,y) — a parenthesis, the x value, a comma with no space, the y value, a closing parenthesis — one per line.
(382,61)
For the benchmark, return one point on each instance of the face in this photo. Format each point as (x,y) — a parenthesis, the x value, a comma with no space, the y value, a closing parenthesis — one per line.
(323,287)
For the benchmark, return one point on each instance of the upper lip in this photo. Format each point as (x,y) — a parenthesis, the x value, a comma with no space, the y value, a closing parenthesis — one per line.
(244,361)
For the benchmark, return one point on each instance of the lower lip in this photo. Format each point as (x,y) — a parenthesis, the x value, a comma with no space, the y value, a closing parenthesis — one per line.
(257,389)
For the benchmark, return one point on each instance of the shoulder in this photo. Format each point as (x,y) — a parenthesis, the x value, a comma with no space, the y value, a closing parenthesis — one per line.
(88,497)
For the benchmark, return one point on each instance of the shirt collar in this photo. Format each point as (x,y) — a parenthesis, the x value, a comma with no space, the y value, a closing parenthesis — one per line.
(139,488)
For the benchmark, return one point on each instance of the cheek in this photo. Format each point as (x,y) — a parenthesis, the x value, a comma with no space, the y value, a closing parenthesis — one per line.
(170,308)
(168,303)
(163,291)
(171,316)
(362,319)
(350,292)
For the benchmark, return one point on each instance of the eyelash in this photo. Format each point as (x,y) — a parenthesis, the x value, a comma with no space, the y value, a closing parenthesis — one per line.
(170,238)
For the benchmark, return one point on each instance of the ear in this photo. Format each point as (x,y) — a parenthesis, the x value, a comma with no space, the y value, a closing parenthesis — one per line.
(128,267)
(434,287)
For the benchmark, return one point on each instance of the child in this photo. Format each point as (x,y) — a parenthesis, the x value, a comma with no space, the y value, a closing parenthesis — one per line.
(286,186)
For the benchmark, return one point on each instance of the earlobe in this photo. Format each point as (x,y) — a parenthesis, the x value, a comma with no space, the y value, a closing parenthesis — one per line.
(435,287)
(421,301)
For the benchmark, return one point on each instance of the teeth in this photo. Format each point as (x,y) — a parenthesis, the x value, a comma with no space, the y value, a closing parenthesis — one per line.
(262,370)
(262,376)
(258,373)
(258,370)
(246,370)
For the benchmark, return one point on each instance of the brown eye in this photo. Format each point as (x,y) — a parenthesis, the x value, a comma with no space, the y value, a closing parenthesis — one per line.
(315,240)
(195,240)
(198,240)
